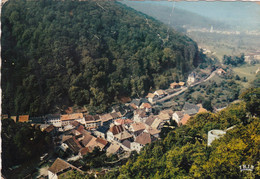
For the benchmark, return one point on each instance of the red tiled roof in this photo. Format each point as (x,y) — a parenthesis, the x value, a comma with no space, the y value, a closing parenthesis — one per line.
(138,126)
(94,142)
(84,151)
(119,114)
(185,119)
(143,138)
(75,132)
(160,92)
(150,95)
(82,130)
(75,123)
(150,120)
(128,121)
(49,128)
(101,141)
(65,137)
(73,144)
(87,139)
(123,135)
(181,83)
(113,148)
(59,165)
(152,131)
(123,121)
(106,117)
(133,105)
(146,105)
(167,111)
(140,112)
(202,110)
(66,117)
(126,143)
(97,117)
(174,84)
(89,118)
(114,115)
(157,123)
(23,118)
(164,116)
(116,129)
(179,114)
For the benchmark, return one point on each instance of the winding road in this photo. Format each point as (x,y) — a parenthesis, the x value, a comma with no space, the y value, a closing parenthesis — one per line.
(185,88)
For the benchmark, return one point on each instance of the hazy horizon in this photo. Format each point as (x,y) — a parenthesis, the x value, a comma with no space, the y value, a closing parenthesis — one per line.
(240,15)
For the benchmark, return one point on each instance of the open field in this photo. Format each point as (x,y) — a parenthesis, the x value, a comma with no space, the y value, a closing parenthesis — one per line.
(226,44)
(247,71)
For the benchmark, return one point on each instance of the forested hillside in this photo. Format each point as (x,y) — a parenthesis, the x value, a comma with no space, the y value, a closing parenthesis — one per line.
(56,54)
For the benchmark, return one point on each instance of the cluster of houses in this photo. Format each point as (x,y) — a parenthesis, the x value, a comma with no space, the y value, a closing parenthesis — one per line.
(153,97)
(177,85)
(125,129)
(113,132)
(116,134)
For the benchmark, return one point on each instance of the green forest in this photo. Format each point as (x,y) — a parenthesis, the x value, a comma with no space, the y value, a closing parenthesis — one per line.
(233,60)
(22,143)
(57,54)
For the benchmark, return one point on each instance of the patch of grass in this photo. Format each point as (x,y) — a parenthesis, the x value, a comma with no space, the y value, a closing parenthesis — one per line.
(216,78)
(247,71)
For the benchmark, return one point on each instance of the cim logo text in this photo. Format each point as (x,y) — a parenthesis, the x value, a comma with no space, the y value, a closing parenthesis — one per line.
(246,168)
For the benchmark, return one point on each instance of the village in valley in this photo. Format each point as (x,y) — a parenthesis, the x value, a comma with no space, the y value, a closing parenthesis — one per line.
(129,90)
(126,128)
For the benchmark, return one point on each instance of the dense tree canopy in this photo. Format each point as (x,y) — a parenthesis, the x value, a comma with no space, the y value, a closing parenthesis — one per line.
(234,60)
(21,143)
(60,53)
(252,98)
(256,82)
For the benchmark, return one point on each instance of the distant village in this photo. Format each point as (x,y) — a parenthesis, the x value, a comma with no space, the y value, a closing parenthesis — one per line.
(126,128)
(226,32)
